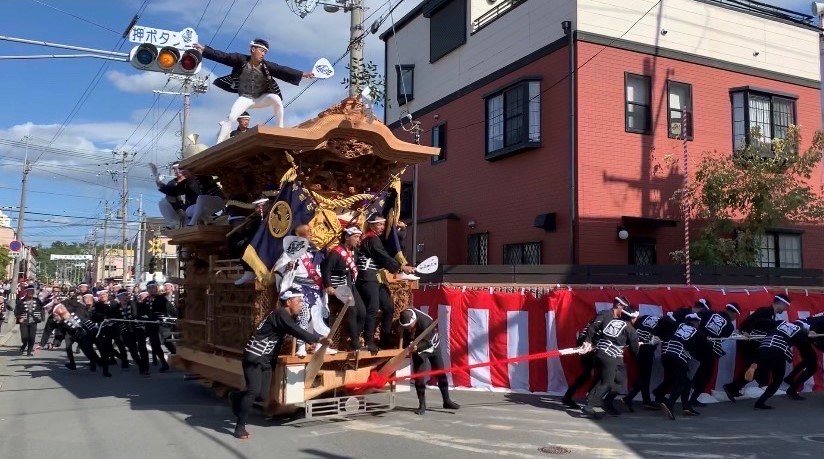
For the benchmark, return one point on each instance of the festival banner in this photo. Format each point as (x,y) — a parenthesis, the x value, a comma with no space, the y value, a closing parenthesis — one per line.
(488,325)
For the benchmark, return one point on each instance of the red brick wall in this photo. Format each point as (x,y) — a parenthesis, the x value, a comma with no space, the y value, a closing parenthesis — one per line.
(619,173)
(631,174)
(503,196)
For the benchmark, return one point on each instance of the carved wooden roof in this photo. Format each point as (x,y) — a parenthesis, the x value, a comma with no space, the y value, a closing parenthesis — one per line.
(344,133)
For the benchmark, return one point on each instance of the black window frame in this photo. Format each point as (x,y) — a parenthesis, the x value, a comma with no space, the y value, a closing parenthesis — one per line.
(749,91)
(480,239)
(776,235)
(648,125)
(643,241)
(440,131)
(522,247)
(403,98)
(522,86)
(690,112)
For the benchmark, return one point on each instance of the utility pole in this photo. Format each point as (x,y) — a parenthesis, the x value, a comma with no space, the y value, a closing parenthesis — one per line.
(184,125)
(190,85)
(138,257)
(105,270)
(20,215)
(123,213)
(356,44)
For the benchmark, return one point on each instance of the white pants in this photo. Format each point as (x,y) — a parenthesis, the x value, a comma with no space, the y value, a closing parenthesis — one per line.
(170,214)
(245,103)
(203,208)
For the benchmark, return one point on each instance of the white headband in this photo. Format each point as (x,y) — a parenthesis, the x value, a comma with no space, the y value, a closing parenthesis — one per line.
(414,318)
(732,307)
(258,45)
(288,294)
(704,302)
(352,230)
(692,316)
(622,301)
(782,300)
(631,315)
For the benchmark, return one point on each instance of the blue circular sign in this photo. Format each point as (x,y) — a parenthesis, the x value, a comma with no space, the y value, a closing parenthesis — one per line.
(15,246)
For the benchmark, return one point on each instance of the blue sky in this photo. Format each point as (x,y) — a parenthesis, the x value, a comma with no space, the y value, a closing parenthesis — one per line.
(70,183)
(73,130)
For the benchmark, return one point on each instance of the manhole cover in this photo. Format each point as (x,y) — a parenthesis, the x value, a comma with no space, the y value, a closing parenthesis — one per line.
(552,449)
(815,438)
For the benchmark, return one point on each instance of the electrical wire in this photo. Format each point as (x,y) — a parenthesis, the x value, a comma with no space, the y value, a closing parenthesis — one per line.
(77,17)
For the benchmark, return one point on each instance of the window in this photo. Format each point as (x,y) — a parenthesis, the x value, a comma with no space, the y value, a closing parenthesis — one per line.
(513,119)
(770,114)
(528,253)
(439,141)
(679,96)
(637,108)
(407,199)
(406,82)
(642,251)
(447,26)
(478,249)
(780,250)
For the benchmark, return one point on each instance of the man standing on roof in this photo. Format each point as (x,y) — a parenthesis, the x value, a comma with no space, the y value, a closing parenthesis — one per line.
(253,79)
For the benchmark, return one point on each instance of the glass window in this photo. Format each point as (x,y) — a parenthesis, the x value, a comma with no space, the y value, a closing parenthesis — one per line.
(439,141)
(680,105)
(405,83)
(513,119)
(637,108)
(771,115)
(780,250)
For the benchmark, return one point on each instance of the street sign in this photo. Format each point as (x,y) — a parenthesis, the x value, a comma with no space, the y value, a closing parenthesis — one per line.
(159,37)
(71,257)
(15,246)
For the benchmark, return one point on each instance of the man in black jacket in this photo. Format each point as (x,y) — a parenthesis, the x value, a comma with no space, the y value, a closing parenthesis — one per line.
(372,257)
(242,124)
(414,322)
(261,354)
(759,323)
(339,269)
(29,313)
(718,326)
(253,79)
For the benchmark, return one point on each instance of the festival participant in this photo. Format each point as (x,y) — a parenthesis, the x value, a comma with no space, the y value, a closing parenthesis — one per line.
(701,307)
(587,359)
(261,353)
(372,256)
(253,79)
(651,330)
(616,333)
(245,220)
(717,326)
(128,334)
(307,277)
(759,323)
(808,366)
(428,350)
(676,353)
(242,124)
(29,313)
(152,307)
(338,269)
(773,354)
(80,329)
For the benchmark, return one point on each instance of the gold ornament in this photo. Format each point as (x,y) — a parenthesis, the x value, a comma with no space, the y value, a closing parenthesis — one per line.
(280,219)
(325,228)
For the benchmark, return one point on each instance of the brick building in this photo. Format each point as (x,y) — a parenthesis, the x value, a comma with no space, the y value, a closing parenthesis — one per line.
(490,83)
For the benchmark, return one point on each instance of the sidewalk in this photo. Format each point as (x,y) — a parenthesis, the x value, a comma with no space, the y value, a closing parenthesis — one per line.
(7,330)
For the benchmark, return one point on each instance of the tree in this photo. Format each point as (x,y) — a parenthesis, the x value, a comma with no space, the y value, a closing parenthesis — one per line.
(740,196)
(5,261)
(367,76)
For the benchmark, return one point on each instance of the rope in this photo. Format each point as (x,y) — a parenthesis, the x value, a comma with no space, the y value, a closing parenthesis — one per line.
(685,199)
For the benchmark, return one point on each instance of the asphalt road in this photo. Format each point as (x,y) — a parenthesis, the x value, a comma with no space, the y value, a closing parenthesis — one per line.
(46,409)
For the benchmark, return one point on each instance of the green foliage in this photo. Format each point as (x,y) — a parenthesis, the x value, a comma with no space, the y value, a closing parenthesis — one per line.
(5,260)
(367,76)
(742,195)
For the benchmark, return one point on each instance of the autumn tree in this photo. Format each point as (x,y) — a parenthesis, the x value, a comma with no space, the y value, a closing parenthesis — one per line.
(738,197)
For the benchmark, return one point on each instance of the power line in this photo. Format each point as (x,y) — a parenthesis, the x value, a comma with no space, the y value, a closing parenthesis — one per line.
(563,78)
(77,17)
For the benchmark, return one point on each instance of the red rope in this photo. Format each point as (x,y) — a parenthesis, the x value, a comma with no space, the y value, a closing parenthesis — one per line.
(376,381)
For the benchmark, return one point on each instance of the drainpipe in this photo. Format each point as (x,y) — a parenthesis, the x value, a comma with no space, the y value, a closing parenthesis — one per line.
(573,188)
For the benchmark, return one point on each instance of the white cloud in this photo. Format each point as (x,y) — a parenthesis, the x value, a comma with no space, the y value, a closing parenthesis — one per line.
(143,82)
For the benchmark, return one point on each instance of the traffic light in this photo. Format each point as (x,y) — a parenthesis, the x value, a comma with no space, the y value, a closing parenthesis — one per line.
(167,59)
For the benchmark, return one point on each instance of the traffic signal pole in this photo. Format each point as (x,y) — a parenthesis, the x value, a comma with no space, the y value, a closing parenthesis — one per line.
(20,215)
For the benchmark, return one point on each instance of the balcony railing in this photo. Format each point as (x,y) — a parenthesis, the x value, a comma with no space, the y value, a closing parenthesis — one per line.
(490,16)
